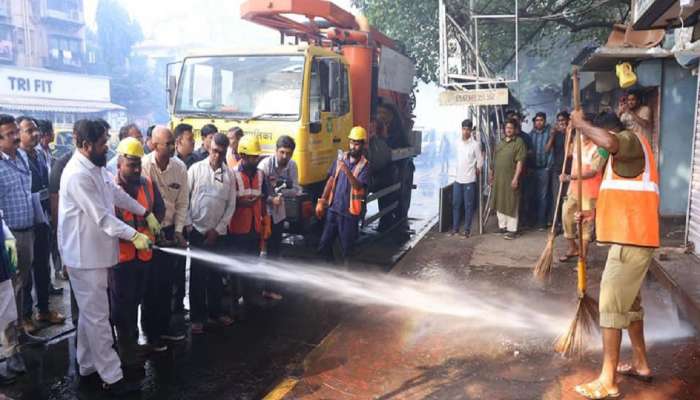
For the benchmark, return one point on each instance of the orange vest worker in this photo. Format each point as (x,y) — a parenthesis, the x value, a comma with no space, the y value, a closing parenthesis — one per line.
(628,208)
(590,186)
(246,217)
(357,196)
(127,251)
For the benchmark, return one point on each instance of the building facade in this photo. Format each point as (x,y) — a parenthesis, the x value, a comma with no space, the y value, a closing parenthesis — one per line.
(44,64)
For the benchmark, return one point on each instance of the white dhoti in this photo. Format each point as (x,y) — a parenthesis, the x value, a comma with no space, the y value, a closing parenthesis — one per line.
(8,317)
(94,334)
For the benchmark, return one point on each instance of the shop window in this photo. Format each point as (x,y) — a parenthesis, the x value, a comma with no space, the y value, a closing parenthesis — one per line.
(6,45)
(64,51)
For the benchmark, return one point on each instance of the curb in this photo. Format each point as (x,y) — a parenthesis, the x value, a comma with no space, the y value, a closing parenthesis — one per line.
(689,308)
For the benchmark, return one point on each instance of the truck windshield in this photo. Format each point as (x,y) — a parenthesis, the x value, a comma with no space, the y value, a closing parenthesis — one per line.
(258,87)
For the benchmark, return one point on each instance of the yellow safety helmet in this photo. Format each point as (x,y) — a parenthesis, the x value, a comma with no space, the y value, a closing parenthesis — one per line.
(130,147)
(358,133)
(249,145)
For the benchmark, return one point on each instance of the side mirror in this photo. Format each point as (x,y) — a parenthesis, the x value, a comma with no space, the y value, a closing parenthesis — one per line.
(172,86)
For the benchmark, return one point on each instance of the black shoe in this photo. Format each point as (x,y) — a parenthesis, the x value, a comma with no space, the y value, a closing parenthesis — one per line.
(467,234)
(502,230)
(7,378)
(121,388)
(173,335)
(54,291)
(27,339)
(15,364)
(158,346)
(509,236)
(90,380)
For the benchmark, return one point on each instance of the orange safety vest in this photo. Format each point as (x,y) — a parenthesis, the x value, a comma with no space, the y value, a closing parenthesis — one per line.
(590,186)
(243,217)
(357,196)
(628,208)
(127,251)
(232,162)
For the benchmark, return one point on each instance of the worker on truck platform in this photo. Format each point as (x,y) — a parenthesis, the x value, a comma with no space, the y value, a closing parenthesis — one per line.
(127,279)
(344,196)
(627,217)
(88,237)
(250,225)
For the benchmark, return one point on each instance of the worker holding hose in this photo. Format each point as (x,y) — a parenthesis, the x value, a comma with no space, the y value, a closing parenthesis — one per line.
(88,236)
(627,217)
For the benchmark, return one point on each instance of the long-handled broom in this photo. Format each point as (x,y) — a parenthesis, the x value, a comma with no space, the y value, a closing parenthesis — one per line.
(543,268)
(586,319)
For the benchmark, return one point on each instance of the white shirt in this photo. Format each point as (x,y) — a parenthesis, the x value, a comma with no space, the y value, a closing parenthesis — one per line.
(88,231)
(212,197)
(273,174)
(172,185)
(469,158)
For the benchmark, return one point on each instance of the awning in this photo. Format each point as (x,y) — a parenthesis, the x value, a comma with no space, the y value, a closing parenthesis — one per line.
(56,105)
(606,58)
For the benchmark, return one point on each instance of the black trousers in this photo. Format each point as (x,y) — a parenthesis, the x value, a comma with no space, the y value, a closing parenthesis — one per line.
(206,286)
(41,267)
(248,245)
(274,242)
(126,289)
(156,308)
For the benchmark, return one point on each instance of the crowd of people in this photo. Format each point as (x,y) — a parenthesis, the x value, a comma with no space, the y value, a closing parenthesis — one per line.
(100,220)
(528,169)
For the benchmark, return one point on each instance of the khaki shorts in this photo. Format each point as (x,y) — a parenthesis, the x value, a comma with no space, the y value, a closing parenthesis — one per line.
(620,302)
(568,215)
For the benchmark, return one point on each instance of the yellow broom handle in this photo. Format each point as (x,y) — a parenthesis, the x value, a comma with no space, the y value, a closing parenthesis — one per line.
(581,267)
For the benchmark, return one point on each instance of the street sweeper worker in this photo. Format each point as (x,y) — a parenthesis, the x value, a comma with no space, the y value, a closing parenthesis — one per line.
(344,195)
(592,166)
(128,278)
(627,217)
(88,238)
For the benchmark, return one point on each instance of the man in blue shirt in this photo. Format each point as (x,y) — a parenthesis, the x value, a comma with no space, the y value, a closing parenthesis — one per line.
(18,209)
(348,177)
(540,164)
(29,136)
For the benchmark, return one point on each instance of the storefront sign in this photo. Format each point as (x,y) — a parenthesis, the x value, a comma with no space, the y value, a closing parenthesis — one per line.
(52,85)
(482,97)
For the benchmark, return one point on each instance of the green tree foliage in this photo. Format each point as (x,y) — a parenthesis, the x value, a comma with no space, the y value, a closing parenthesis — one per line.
(545,28)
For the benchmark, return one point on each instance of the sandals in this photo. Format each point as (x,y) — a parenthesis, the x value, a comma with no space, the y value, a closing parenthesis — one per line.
(595,391)
(567,257)
(630,371)
(271,295)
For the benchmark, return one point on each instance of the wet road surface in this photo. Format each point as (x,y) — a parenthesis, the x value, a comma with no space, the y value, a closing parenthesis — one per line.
(243,361)
(389,353)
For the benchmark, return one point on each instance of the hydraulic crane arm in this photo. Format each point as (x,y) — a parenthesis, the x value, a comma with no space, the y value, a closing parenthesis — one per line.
(284,16)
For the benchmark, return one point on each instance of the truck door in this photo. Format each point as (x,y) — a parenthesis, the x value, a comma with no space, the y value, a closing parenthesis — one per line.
(329,108)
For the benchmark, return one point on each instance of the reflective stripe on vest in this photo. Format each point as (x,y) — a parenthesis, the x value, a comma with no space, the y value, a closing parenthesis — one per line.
(628,208)
(245,219)
(144,196)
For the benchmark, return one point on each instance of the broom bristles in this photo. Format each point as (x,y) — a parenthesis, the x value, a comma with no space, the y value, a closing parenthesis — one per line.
(571,344)
(543,268)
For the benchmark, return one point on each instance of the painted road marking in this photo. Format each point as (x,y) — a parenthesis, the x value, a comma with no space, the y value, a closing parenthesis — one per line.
(282,389)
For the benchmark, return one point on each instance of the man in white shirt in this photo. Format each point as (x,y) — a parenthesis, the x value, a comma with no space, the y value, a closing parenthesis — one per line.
(212,203)
(282,177)
(464,190)
(169,174)
(88,239)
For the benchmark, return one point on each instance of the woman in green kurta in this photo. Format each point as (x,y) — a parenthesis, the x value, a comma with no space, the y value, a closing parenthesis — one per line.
(509,157)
